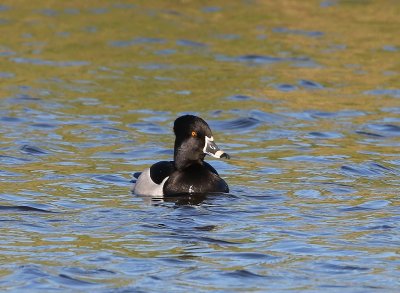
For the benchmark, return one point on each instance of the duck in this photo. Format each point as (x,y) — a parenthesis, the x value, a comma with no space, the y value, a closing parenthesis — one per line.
(188,173)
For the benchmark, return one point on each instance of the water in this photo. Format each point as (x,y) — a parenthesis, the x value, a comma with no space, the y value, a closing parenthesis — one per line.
(303,95)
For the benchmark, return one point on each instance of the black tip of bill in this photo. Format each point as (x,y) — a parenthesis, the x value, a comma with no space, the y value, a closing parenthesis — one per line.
(225,155)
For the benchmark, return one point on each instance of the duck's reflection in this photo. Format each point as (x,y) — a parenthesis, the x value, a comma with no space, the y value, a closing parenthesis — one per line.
(182,199)
(186,199)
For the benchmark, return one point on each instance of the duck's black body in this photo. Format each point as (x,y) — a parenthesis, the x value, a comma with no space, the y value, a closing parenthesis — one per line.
(196,178)
(188,173)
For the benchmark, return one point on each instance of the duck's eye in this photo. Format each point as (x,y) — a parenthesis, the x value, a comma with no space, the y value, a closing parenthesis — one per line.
(194,133)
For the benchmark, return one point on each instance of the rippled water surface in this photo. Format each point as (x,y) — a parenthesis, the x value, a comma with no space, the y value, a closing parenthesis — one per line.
(304,95)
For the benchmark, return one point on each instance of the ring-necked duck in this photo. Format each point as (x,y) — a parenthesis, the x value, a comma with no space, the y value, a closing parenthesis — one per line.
(188,173)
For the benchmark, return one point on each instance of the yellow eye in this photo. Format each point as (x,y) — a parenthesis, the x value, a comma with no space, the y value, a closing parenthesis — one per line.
(194,133)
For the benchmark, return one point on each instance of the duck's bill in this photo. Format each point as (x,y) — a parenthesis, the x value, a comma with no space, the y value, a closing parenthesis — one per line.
(210,148)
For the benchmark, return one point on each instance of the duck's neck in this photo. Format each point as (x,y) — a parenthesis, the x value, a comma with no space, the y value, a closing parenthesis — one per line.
(185,157)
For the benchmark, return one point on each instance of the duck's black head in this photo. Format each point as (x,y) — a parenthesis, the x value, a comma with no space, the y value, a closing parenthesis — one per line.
(193,141)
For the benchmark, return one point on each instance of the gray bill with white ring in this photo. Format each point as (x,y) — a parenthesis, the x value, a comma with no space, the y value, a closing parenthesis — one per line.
(210,148)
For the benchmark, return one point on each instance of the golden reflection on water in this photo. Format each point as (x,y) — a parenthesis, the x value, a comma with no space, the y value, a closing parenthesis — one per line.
(349,55)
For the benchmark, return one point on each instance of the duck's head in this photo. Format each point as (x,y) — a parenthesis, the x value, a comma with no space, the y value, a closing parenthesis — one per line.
(194,140)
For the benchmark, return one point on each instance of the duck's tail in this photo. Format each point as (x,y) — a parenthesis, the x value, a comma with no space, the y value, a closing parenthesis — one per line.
(135,177)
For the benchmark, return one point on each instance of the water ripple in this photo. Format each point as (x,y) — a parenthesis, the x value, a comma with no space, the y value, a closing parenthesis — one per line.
(149,127)
(188,43)
(263,59)
(137,41)
(238,98)
(325,135)
(395,93)
(310,84)
(235,125)
(23,209)
(36,61)
(33,150)
(283,30)
(386,129)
